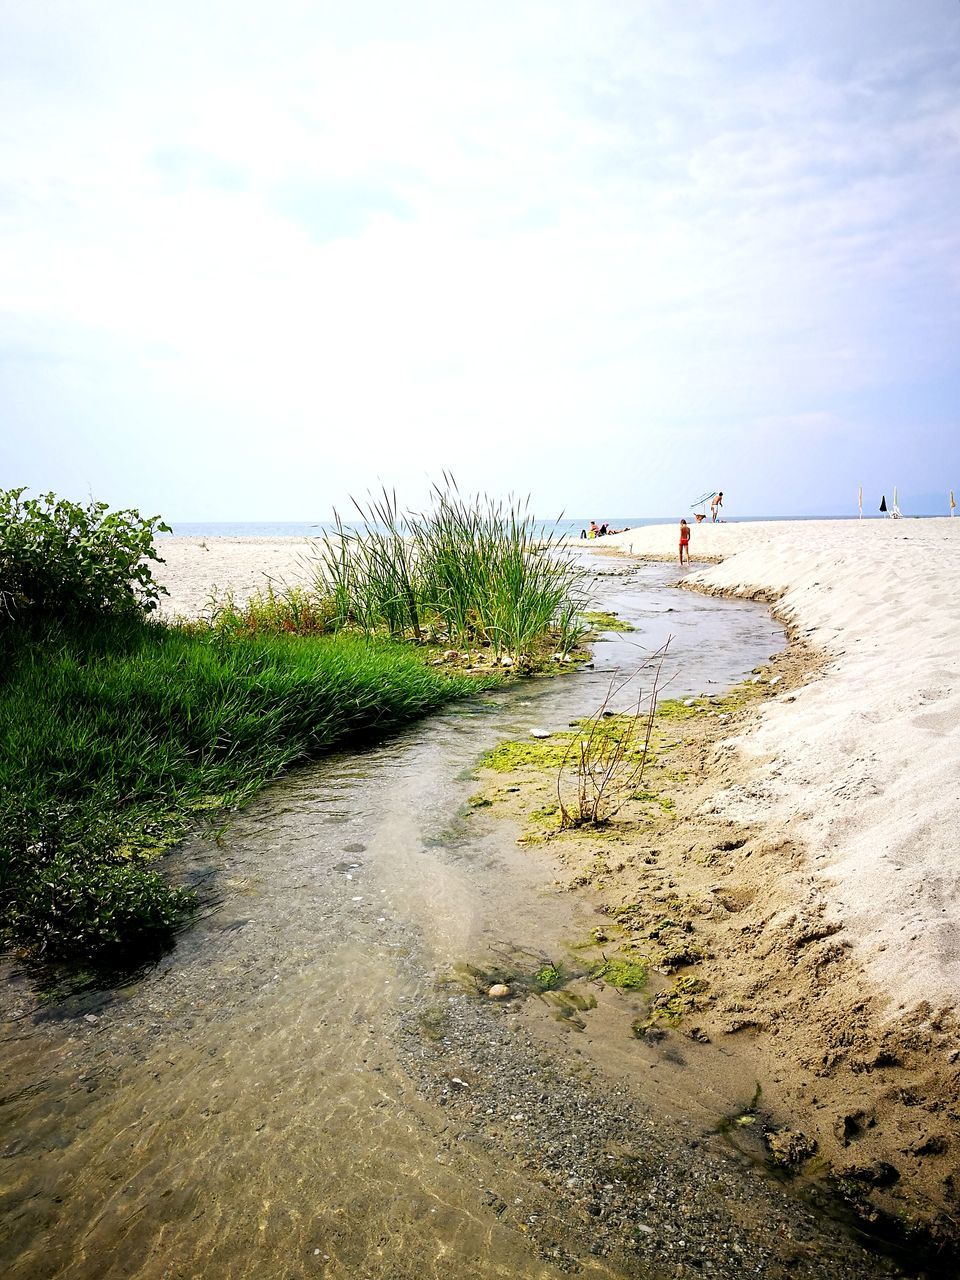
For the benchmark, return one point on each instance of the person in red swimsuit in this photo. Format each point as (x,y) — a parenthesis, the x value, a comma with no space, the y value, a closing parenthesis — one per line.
(684,540)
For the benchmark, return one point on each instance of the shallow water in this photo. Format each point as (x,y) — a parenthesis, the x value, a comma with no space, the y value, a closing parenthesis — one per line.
(246,1107)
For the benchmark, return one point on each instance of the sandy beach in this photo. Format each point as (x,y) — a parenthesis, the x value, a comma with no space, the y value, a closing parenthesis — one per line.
(810,854)
(860,764)
(195,569)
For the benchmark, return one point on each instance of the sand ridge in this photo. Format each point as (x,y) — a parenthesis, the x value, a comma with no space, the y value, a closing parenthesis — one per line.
(862,766)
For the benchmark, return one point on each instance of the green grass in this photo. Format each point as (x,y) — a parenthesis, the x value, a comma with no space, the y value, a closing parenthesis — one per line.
(470,572)
(113,740)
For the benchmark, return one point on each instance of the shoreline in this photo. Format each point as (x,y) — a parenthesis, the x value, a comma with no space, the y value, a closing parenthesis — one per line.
(877,1025)
(767,988)
(857,764)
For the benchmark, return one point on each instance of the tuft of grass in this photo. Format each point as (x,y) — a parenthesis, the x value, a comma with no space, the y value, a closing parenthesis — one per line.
(272,612)
(471,572)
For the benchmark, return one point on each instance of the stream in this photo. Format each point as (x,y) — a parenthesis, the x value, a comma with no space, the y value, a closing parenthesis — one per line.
(308,1086)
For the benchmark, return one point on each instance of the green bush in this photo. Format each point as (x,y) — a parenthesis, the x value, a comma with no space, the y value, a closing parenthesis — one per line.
(61,560)
(66,907)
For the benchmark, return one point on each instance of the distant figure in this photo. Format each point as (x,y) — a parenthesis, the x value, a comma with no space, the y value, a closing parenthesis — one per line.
(716,502)
(594,529)
(684,540)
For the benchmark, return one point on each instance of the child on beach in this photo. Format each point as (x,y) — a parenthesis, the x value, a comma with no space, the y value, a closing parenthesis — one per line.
(684,540)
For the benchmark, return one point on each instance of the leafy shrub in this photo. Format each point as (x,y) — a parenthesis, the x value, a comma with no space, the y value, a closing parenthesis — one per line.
(60,559)
(98,908)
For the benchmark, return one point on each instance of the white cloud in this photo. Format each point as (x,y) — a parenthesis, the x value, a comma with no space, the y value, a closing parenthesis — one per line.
(370,235)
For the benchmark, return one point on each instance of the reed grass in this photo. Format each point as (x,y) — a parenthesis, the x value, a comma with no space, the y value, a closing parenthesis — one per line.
(470,571)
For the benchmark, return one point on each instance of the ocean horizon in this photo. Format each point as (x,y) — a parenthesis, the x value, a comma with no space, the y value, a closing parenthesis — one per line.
(563,528)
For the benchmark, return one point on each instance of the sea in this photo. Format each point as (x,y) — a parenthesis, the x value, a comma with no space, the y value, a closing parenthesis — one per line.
(317,528)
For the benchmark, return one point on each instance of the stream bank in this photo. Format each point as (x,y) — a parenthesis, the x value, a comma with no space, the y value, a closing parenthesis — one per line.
(312,1082)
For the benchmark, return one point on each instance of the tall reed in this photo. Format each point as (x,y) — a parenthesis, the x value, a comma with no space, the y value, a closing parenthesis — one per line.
(469,571)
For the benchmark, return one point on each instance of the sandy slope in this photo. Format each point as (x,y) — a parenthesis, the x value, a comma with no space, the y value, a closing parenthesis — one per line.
(862,765)
(193,568)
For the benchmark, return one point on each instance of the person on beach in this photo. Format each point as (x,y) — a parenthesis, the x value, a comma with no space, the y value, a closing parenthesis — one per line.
(594,529)
(716,502)
(684,540)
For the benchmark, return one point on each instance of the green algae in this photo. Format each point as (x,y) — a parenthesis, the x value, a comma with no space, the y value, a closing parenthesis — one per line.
(549,977)
(544,814)
(525,972)
(669,1008)
(666,803)
(598,620)
(546,753)
(623,973)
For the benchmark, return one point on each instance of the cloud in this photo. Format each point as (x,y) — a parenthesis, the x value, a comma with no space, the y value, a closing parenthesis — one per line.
(371,233)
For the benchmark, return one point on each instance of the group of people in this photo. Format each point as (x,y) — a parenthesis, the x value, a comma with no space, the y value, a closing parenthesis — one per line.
(600,530)
(716,502)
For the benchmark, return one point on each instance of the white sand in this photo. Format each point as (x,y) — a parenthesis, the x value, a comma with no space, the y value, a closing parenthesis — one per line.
(863,766)
(195,568)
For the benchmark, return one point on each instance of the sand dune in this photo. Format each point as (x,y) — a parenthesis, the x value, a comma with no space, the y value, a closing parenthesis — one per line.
(862,764)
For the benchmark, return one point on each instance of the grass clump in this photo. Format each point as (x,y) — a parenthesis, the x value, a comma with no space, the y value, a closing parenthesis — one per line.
(471,572)
(149,724)
(272,612)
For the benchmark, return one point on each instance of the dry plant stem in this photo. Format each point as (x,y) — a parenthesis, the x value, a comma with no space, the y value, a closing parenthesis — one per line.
(606,771)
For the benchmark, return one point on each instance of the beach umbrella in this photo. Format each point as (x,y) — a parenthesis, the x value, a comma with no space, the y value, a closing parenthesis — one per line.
(883,502)
(860,501)
(953,505)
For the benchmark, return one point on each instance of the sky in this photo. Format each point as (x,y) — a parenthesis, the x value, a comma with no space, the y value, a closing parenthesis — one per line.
(256,258)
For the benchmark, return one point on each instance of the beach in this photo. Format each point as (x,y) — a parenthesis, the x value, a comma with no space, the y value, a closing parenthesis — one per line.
(807,852)
(195,569)
(860,764)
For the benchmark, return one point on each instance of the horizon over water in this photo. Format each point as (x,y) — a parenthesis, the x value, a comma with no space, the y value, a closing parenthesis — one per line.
(564,528)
